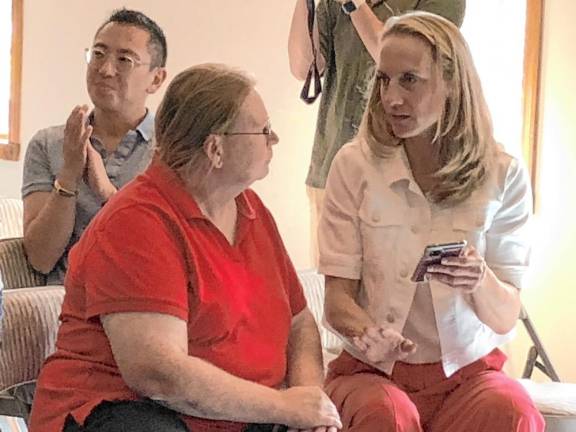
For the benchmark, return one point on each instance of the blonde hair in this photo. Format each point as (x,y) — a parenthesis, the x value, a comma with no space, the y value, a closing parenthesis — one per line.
(464,131)
(200,101)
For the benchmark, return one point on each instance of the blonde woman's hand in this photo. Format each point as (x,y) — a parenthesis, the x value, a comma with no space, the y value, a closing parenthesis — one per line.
(465,272)
(383,344)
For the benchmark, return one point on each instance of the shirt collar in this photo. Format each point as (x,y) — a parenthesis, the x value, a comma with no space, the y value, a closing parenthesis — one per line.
(172,187)
(145,128)
(395,169)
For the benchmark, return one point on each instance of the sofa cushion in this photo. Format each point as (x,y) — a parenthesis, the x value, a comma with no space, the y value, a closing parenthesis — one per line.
(313,285)
(552,397)
(29,332)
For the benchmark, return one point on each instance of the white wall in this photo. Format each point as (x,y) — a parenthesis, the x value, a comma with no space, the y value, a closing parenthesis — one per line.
(552,293)
(250,34)
(501,49)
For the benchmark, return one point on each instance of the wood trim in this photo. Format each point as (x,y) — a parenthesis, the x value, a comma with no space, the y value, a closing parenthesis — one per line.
(11,151)
(531,87)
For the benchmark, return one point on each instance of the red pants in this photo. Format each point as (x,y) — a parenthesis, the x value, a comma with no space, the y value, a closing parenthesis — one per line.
(416,398)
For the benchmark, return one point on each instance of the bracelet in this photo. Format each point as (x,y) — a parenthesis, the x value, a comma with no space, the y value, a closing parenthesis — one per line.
(66,193)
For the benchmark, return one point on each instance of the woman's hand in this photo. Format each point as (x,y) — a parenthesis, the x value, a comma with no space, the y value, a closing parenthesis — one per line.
(465,272)
(310,409)
(383,344)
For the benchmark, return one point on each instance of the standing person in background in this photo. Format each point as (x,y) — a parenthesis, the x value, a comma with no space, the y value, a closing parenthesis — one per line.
(425,169)
(346,37)
(70,171)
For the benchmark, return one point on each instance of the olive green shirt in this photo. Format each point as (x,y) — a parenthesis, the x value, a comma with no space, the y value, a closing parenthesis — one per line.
(348,72)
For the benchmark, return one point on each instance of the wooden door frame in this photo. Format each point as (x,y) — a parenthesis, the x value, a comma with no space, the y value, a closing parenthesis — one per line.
(531,87)
(11,150)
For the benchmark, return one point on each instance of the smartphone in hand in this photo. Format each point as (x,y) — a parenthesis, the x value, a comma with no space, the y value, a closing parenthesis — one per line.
(433,254)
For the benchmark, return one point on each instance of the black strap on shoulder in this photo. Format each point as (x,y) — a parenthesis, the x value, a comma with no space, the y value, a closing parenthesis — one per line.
(313,73)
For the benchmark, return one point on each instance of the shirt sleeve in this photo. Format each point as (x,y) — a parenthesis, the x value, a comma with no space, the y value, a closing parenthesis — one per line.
(136,264)
(452,10)
(508,238)
(37,176)
(339,239)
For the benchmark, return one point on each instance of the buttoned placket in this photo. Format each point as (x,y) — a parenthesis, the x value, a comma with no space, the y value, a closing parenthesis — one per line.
(414,233)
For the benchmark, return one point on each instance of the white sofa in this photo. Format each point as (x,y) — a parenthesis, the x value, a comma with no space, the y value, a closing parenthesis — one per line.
(11,218)
(313,285)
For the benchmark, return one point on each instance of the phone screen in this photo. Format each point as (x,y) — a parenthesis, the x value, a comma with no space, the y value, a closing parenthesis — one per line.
(433,254)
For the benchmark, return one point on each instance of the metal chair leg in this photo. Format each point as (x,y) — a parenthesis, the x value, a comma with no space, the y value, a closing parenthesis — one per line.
(537,351)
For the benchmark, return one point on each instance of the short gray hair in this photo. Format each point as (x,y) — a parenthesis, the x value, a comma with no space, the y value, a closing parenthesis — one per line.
(201,100)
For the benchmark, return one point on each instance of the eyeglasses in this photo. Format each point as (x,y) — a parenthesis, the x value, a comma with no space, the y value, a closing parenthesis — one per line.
(266,130)
(123,63)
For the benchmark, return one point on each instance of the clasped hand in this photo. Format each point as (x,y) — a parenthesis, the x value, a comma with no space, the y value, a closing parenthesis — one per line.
(81,159)
(75,147)
(465,272)
(383,344)
(313,408)
(96,175)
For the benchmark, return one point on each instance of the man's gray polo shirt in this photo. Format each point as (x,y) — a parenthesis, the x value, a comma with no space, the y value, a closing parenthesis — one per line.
(44,160)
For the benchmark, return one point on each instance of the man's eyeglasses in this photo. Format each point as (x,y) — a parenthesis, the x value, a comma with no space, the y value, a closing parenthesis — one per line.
(123,63)
(266,130)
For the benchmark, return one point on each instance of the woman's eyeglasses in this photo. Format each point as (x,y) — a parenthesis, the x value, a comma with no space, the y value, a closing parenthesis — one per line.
(266,130)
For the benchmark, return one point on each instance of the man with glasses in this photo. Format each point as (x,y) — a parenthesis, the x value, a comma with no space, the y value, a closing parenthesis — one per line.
(71,171)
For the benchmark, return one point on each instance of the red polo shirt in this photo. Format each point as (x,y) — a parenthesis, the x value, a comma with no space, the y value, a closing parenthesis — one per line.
(150,249)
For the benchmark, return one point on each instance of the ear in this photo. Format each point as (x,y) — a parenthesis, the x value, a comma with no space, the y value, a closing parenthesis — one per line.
(214,150)
(159,78)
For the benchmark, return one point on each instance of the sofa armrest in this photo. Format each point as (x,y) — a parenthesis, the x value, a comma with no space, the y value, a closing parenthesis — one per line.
(28,332)
(11,218)
(15,270)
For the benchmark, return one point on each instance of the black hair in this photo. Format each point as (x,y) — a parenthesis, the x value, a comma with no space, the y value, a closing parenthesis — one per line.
(157,42)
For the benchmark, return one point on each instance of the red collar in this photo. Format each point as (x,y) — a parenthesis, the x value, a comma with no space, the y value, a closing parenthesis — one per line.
(172,187)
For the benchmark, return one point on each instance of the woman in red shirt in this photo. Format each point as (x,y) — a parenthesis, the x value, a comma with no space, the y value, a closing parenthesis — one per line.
(183,311)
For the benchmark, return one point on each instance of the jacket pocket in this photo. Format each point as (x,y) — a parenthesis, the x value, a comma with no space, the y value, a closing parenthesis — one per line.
(473,221)
(380,230)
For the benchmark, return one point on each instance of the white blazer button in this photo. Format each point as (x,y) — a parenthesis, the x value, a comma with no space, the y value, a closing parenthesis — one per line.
(375,218)
(390,318)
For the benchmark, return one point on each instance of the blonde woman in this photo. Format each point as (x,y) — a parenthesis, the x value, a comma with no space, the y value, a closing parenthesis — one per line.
(183,312)
(425,169)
